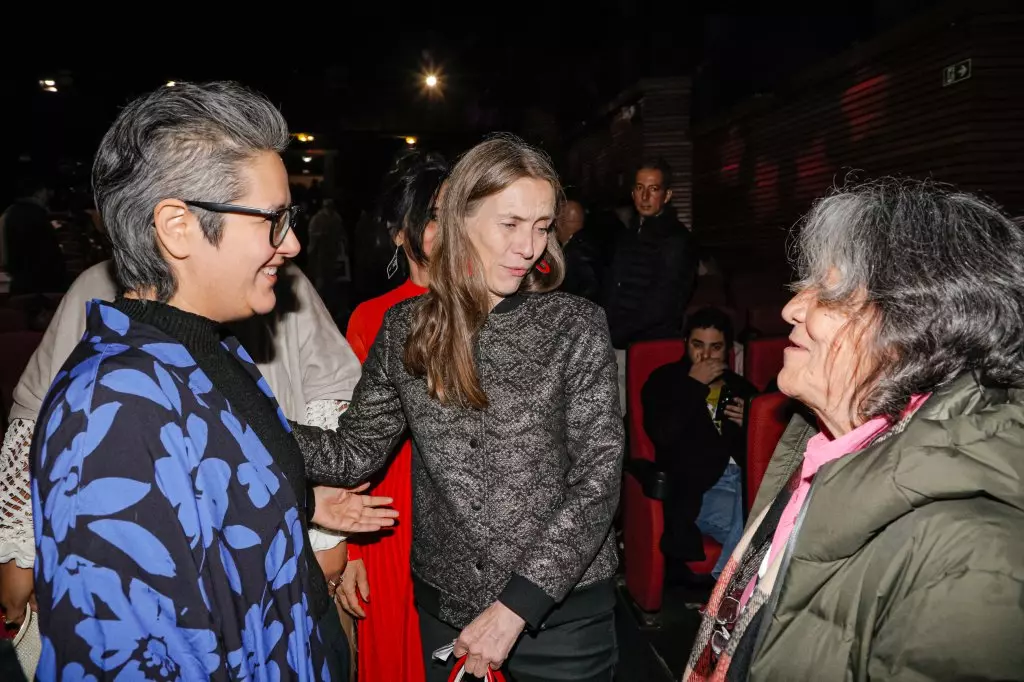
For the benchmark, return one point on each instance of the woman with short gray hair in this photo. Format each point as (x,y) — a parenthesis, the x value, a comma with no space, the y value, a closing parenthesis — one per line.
(887,544)
(171,507)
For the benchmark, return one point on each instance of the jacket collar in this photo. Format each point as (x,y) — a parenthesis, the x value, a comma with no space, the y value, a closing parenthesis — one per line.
(959,445)
(508,304)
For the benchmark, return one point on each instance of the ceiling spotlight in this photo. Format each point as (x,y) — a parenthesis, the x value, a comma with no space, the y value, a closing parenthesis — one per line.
(410,140)
(431,80)
(307,159)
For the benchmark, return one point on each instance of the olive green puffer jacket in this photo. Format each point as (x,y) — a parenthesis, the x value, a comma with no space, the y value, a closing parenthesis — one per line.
(908,559)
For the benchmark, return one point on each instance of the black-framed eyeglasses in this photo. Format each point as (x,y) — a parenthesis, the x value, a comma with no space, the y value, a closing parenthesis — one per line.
(281,221)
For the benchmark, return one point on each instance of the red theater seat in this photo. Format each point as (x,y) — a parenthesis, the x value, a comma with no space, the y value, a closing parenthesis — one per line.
(762,359)
(767,417)
(644,489)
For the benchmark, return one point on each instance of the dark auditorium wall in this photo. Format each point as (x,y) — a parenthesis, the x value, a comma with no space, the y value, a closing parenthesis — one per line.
(880,108)
(650,119)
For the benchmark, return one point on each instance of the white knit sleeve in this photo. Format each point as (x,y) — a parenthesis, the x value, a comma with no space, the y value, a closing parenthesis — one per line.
(324,414)
(16,539)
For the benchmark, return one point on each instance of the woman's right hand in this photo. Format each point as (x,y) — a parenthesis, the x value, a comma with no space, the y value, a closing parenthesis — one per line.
(349,512)
(17,590)
(354,580)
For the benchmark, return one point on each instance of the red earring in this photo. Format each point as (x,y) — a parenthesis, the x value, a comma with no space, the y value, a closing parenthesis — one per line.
(543,267)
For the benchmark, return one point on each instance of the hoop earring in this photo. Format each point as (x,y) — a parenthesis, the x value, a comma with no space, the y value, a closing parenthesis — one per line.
(543,267)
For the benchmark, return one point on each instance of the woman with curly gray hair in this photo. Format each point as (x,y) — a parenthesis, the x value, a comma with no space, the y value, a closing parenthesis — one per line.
(886,543)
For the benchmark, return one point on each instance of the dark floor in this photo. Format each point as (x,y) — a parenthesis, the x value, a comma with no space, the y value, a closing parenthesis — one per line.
(655,649)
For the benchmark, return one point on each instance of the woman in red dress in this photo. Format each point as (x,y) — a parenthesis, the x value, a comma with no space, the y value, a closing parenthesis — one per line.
(389,634)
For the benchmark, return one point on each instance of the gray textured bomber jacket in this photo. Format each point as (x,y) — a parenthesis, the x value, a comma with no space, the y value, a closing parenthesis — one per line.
(513,502)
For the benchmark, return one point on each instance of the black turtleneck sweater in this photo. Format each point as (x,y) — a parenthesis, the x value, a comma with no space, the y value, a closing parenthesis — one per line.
(202,338)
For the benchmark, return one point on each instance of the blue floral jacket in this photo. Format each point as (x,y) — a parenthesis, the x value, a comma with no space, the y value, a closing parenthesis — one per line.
(168,542)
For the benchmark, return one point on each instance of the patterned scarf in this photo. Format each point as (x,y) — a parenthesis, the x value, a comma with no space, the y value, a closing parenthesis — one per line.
(723,627)
(722,631)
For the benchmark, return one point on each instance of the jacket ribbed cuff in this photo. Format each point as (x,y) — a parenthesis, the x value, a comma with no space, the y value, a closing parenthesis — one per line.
(527,600)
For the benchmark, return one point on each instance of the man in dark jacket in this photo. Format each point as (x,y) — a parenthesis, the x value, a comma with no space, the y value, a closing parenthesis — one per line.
(582,253)
(694,416)
(653,267)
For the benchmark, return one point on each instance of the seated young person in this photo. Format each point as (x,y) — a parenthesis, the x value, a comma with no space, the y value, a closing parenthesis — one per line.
(694,416)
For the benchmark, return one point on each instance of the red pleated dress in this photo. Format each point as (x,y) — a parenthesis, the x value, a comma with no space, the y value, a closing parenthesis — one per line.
(389,636)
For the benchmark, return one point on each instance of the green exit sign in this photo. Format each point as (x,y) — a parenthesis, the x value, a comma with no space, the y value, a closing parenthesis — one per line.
(954,73)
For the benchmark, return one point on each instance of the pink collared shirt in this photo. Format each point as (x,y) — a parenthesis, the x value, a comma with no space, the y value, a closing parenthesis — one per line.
(821,449)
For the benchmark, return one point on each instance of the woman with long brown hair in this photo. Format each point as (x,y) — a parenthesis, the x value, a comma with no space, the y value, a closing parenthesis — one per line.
(509,392)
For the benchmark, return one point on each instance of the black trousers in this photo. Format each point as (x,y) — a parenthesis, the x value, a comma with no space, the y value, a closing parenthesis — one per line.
(335,644)
(10,667)
(578,651)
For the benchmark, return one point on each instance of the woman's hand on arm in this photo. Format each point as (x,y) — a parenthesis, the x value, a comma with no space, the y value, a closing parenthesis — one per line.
(350,512)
